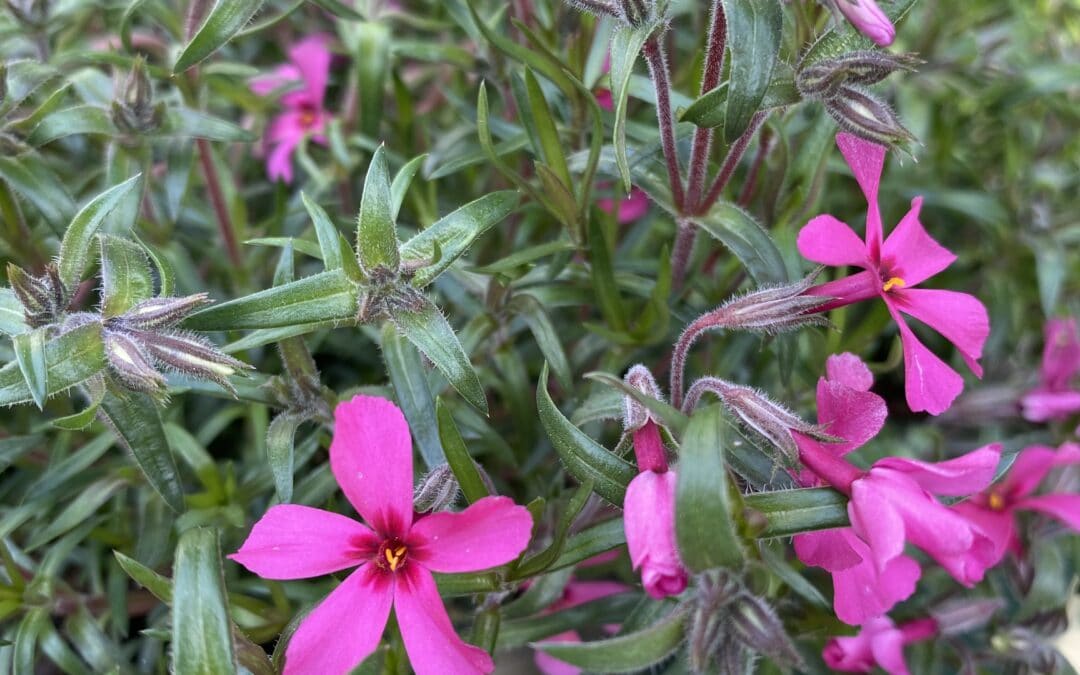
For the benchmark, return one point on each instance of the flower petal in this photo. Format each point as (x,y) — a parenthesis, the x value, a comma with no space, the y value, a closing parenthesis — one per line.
(345,628)
(997,526)
(548,664)
(912,254)
(1061,353)
(312,59)
(888,650)
(828,549)
(866,160)
(963,475)
(489,533)
(861,593)
(1031,466)
(279,161)
(847,290)
(851,414)
(283,75)
(1065,508)
(876,521)
(929,384)
(371,457)
(960,317)
(1040,405)
(296,542)
(829,241)
(433,646)
(849,370)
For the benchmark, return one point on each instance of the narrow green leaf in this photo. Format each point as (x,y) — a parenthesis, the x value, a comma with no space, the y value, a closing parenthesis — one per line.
(458,457)
(410,383)
(790,512)
(625,653)
(548,134)
(610,609)
(126,21)
(425,326)
(545,334)
(737,229)
(583,457)
(30,355)
(125,275)
(326,232)
(710,109)
(602,269)
(328,296)
(754,33)
(280,452)
(80,119)
(540,562)
(135,420)
(77,511)
(96,390)
(545,64)
(626,44)
(75,246)
(372,65)
(188,123)
(24,77)
(40,186)
(70,358)
(454,233)
(12,316)
(225,20)
(560,200)
(159,586)
(376,235)
(399,187)
(339,9)
(202,636)
(703,521)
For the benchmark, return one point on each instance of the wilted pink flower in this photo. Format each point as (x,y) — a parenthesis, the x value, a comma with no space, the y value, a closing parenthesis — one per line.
(1055,398)
(304,112)
(868,18)
(649,517)
(893,503)
(371,458)
(576,593)
(994,510)
(879,643)
(848,409)
(626,210)
(892,270)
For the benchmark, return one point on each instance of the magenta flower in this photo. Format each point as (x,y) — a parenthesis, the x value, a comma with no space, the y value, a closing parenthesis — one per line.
(627,210)
(576,593)
(649,517)
(1055,398)
(868,18)
(849,410)
(371,458)
(994,511)
(893,503)
(879,643)
(304,112)
(892,270)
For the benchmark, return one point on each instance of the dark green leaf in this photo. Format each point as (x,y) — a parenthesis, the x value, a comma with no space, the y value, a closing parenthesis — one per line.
(225,20)
(790,512)
(458,457)
(737,229)
(75,246)
(547,337)
(327,233)
(399,187)
(548,135)
(187,123)
(540,562)
(280,439)
(81,119)
(626,44)
(78,511)
(202,636)
(372,65)
(70,358)
(410,383)
(754,34)
(38,184)
(125,275)
(328,296)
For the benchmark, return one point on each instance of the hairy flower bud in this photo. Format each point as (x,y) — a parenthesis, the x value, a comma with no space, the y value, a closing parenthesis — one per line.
(191,355)
(773,309)
(134,110)
(636,415)
(437,490)
(130,363)
(636,12)
(866,116)
(822,80)
(43,298)
(963,615)
(163,312)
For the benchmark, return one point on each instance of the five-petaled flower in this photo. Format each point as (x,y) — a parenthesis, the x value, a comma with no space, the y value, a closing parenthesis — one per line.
(371,458)
(892,269)
(1056,398)
(304,112)
(880,643)
(995,509)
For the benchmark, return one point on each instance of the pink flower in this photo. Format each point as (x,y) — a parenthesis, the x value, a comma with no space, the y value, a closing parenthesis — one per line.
(635,206)
(893,503)
(849,410)
(1055,398)
(868,18)
(304,112)
(994,510)
(649,517)
(576,593)
(892,270)
(371,458)
(879,643)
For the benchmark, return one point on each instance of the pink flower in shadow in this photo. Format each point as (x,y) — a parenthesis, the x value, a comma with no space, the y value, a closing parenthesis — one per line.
(879,643)
(395,553)
(576,593)
(304,113)
(1055,398)
(892,270)
(627,210)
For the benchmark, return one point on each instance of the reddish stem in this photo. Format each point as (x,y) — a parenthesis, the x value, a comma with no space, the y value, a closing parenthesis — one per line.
(730,162)
(217,201)
(710,78)
(658,69)
(649,448)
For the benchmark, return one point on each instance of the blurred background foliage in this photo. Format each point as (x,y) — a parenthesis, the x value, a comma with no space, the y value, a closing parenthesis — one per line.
(995,109)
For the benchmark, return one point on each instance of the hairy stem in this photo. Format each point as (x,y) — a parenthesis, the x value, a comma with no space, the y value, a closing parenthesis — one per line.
(680,254)
(730,162)
(682,349)
(217,201)
(658,70)
(710,78)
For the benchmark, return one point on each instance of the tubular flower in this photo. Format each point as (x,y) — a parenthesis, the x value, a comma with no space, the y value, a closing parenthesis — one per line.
(395,553)
(868,18)
(304,112)
(849,410)
(893,503)
(892,270)
(1055,398)
(994,510)
(879,643)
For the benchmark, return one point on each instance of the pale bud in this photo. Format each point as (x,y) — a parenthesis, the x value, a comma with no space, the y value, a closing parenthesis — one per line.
(44,298)
(823,79)
(635,415)
(191,355)
(131,364)
(963,615)
(437,491)
(134,110)
(866,116)
(163,312)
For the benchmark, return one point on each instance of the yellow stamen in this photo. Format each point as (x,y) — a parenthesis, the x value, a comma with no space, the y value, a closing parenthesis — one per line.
(894,282)
(395,558)
(997,502)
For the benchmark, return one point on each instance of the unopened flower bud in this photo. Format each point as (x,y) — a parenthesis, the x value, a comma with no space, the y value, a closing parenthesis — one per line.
(191,355)
(43,298)
(755,624)
(636,12)
(963,615)
(130,363)
(163,312)
(635,415)
(823,79)
(437,491)
(866,116)
(868,18)
(649,521)
(773,310)
(1021,644)
(134,110)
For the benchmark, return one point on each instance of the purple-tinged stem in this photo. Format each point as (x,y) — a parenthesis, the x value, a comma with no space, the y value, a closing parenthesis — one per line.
(680,254)
(217,201)
(764,147)
(919,630)
(658,69)
(682,349)
(730,162)
(710,78)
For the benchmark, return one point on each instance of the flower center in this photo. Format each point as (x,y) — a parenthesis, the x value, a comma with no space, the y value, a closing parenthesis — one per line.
(308,116)
(996,501)
(893,282)
(392,555)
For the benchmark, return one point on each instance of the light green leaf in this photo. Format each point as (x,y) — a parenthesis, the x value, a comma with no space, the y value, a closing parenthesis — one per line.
(187,123)
(30,355)
(751,244)
(407,375)
(202,636)
(458,457)
(423,324)
(81,119)
(626,44)
(326,232)
(583,457)
(125,275)
(12,317)
(625,653)
(225,20)
(75,246)
(280,439)
(40,186)
(790,512)
(399,187)
(70,358)
(754,33)
(376,235)
(372,65)
(78,511)
(547,133)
